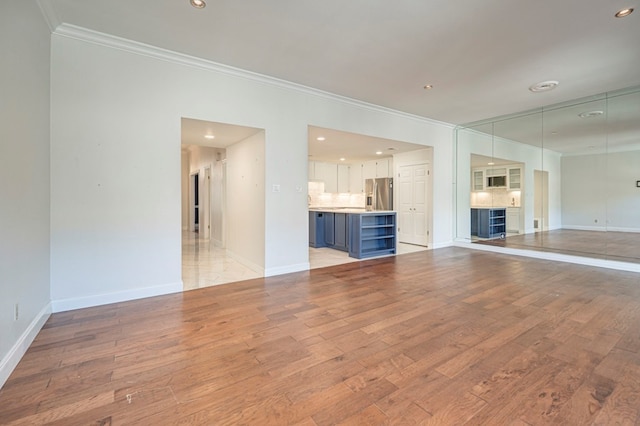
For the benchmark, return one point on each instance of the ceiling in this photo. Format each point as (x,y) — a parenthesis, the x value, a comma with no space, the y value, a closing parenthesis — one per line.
(352,147)
(193,133)
(480,56)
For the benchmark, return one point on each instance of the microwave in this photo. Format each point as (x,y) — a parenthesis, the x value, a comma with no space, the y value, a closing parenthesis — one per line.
(496,181)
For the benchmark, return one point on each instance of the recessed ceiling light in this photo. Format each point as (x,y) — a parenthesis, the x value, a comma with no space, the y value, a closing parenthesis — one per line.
(342,159)
(199,4)
(320,138)
(491,163)
(391,149)
(428,86)
(590,114)
(624,12)
(209,137)
(544,86)
(378,152)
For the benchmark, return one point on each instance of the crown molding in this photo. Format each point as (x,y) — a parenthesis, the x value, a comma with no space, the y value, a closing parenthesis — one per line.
(108,40)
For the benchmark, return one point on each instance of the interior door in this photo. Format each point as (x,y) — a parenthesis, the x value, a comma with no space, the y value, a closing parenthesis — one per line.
(413,208)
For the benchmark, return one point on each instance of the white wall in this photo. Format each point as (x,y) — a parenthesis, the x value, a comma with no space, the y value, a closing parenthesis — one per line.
(246,201)
(599,191)
(24,178)
(115,167)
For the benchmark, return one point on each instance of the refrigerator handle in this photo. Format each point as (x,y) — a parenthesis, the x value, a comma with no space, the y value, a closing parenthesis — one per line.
(375,196)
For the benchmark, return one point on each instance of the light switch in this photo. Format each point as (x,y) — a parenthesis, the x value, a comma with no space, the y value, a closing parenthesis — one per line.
(276,188)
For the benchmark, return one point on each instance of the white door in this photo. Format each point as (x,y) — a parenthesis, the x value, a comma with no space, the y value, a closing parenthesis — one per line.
(413,206)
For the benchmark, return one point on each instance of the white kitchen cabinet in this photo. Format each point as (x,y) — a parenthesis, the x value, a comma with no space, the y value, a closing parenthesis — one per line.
(382,168)
(327,173)
(356,181)
(514,178)
(312,170)
(513,219)
(478,180)
(343,184)
(368,170)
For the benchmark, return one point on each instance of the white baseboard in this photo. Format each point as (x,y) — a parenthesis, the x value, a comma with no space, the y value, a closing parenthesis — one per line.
(442,245)
(11,360)
(558,257)
(270,272)
(600,228)
(584,228)
(618,229)
(62,305)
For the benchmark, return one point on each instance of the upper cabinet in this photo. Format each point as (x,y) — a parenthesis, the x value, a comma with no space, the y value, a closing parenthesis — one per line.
(327,173)
(368,170)
(380,168)
(485,178)
(477,183)
(343,178)
(383,168)
(356,179)
(334,176)
(514,178)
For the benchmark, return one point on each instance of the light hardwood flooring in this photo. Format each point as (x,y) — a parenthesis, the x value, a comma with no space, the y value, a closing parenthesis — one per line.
(444,337)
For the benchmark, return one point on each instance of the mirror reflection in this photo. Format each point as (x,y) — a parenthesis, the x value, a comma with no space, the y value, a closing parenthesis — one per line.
(562,179)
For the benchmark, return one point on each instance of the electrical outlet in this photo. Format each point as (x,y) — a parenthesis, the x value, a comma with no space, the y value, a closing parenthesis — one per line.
(16,312)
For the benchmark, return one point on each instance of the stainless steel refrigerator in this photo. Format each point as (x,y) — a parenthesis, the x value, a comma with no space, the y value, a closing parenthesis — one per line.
(379,193)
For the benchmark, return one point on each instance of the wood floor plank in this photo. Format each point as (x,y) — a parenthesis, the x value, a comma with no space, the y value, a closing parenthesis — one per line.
(448,336)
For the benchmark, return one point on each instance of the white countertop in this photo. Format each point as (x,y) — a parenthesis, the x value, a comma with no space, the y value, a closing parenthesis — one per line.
(495,207)
(347,210)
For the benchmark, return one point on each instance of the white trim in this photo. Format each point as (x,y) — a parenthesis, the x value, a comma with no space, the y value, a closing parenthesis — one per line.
(442,245)
(15,354)
(108,40)
(589,261)
(584,228)
(119,296)
(279,270)
(619,229)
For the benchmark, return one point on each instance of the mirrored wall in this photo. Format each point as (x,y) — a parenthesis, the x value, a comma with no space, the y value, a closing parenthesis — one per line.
(563,179)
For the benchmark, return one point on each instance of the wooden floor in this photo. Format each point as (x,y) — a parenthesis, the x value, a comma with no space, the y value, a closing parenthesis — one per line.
(449,336)
(610,245)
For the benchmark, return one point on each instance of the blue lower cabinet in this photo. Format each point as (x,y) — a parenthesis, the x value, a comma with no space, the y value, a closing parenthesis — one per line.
(316,229)
(341,231)
(329,224)
(372,234)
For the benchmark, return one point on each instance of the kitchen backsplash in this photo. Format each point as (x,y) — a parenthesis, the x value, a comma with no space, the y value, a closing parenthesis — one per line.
(319,198)
(495,197)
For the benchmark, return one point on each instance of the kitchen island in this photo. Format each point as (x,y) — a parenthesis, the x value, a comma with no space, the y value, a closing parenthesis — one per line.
(359,232)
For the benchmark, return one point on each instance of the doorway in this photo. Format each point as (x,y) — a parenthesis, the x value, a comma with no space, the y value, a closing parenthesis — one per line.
(540,200)
(413,206)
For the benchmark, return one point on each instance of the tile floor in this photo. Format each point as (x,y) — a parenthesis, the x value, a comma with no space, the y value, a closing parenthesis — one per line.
(204,265)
